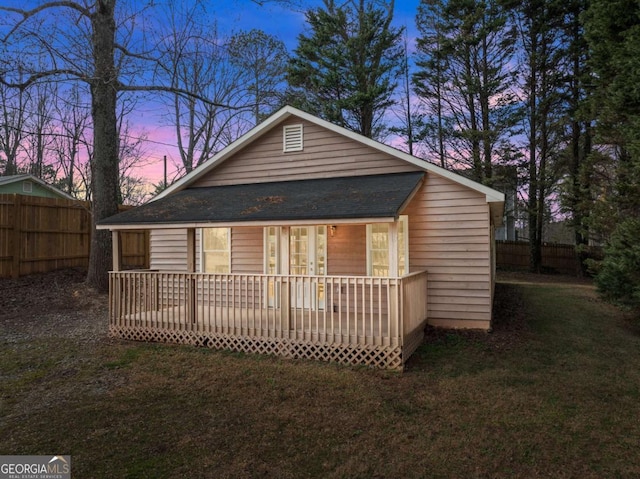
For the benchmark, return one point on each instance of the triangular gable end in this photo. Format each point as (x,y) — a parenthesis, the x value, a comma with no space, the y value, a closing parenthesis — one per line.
(292,116)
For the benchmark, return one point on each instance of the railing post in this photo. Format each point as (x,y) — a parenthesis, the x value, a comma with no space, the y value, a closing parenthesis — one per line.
(285,305)
(394,312)
(191,302)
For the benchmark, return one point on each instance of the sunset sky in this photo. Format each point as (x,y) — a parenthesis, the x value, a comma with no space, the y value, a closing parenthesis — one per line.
(274,18)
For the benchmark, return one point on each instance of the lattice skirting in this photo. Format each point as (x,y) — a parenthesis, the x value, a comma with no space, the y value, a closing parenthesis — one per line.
(384,357)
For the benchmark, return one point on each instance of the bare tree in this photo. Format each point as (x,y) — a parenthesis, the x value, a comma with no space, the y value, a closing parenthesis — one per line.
(466,49)
(407,115)
(40,126)
(69,146)
(195,61)
(84,42)
(131,187)
(11,127)
(263,60)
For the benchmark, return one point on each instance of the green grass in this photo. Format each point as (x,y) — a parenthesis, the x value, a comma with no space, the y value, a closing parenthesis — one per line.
(553,393)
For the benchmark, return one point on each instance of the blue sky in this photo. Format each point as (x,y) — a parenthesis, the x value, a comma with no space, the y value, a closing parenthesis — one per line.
(286,22)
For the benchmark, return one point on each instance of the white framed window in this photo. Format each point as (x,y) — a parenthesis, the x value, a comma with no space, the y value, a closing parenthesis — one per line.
(292,138)
(271,250)
(27,187)
(216,250)
(379,239)
(272,265)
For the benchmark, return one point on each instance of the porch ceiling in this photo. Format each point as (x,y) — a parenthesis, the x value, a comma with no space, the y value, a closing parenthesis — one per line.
(354,197)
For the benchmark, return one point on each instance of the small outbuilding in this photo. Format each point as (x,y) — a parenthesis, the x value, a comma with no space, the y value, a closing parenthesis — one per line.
(304,239)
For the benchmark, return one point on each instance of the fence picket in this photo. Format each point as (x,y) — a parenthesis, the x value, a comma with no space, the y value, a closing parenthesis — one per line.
(43,234)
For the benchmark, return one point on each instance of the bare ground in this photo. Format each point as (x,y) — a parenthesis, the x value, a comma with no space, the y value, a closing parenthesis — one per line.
(57,303)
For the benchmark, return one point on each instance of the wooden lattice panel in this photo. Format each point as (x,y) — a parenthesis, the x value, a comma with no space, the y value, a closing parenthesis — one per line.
(384,357)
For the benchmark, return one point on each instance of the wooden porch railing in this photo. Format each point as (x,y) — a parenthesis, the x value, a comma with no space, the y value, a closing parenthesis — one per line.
(337,311)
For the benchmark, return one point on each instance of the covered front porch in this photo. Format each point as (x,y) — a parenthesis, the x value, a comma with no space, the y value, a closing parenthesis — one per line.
(314,269)
(349,319)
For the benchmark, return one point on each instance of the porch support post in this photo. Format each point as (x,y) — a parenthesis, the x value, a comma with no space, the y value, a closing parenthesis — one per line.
(393,249)
(191,250)
(191,268)
(115,284)
(395,312)
(285,289)
(117,250)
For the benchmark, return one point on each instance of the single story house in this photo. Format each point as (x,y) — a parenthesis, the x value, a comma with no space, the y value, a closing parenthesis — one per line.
(30,185)
(304,239)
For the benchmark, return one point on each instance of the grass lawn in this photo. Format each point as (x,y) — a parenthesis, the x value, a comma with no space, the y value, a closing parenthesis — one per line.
(553,392)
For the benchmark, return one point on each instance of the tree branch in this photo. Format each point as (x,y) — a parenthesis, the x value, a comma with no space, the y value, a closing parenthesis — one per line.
(38,76)
(178,91)
(26,14)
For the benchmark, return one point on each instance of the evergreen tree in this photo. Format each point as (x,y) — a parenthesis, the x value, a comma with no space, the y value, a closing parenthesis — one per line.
(345,69)
(430,77)
(541,65)
(580,131)
(612,29)
(465,80)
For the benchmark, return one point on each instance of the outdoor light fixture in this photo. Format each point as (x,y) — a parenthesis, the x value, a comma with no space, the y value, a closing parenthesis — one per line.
(332,230)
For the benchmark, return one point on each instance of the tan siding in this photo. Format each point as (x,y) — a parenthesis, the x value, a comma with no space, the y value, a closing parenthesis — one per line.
(347,251)
(326,154)
(449,236)
(246,250)
(168,250)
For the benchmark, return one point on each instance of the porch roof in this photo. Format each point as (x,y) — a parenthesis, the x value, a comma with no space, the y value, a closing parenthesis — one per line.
(354,197)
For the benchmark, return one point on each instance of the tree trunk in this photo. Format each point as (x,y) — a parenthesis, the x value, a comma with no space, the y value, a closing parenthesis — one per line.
(105,161)
(485,99)
(473,119)
(535,251)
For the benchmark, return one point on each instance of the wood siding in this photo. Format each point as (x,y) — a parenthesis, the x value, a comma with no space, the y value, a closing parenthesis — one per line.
(168,250)
(347,250)
(247,245)
(449,224)
(449,236)
(263,160)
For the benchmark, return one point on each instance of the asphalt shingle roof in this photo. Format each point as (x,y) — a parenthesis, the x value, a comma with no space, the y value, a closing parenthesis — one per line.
(316,199)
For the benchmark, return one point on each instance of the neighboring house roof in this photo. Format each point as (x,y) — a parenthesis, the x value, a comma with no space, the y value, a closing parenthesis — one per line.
(7,180)
(355,197)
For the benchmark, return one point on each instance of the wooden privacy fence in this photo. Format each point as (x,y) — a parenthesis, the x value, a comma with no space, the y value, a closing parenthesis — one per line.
(558,258)
(44,234)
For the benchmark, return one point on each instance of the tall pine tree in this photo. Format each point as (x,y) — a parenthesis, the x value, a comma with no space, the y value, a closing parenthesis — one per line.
(345,69)
(464,78)
(612,29)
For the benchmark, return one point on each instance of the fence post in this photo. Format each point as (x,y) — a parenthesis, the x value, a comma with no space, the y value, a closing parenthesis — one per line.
(16,234)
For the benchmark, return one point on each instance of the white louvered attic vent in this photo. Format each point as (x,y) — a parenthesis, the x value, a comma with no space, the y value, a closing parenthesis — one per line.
(292,138)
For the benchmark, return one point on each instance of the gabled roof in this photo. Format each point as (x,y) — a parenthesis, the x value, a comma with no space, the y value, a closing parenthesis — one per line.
(492,196)
(7,180)
(372,197)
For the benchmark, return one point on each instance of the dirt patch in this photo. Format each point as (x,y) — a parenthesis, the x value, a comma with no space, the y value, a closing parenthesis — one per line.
(58,303)
(509,327)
